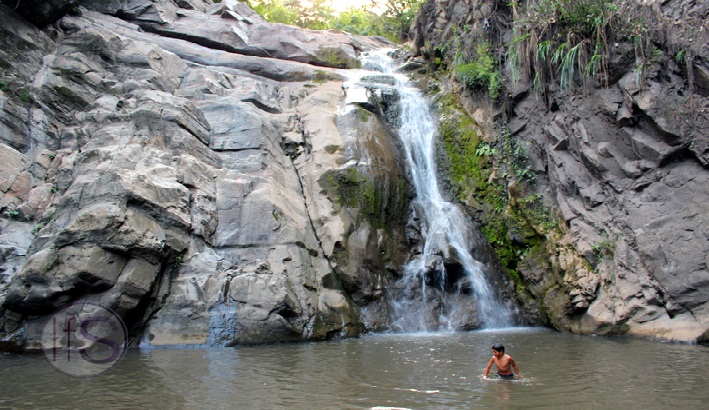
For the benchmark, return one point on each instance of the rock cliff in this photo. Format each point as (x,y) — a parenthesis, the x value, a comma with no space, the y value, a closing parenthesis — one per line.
(623,166)
(183,163)
(199,171)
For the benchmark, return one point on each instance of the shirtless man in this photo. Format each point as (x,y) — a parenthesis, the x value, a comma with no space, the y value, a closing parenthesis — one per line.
(503,362)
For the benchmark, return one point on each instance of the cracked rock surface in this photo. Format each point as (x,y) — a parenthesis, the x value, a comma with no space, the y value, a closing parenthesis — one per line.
(163,158)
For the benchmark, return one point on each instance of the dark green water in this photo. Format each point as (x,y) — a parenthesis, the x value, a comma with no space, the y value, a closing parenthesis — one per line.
(410,371)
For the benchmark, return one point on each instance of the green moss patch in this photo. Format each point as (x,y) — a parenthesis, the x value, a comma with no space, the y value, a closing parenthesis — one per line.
(383,203)
(335,57)
(493,178)
(332,148)
(362,114)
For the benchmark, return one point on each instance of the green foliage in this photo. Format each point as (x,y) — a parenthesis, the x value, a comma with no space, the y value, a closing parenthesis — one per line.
(316,17)
(293,12)
(362,114)
(466,171)
(24,95)
(38,228)
(533,210)
(557,40)
(43,221)
(513,221)
(321,77)
(495,231)
(12,213)
(393,23)
(567,59)
(22,92)
(481,73)
(640,75)
(594,65)
(362,22)
(485,150)
(655,54)
(278,214)
(276,12)
(469,172)
(605,248)
(514,156)
(398,17)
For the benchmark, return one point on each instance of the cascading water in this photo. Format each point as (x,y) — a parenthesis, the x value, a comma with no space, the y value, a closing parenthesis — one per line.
(443,286)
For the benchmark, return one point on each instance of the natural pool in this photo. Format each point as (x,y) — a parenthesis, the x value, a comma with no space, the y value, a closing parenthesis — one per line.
(422,371)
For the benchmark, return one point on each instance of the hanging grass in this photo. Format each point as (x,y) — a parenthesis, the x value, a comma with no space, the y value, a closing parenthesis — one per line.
(554,39)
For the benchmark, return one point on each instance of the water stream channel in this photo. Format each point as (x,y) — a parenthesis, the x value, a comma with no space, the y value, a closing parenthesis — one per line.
(443,287)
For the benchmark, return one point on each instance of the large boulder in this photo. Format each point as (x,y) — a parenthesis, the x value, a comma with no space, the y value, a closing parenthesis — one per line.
(232,26)
(157,163)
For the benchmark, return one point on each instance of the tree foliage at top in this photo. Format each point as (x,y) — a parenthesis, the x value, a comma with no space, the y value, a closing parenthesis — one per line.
(393,22)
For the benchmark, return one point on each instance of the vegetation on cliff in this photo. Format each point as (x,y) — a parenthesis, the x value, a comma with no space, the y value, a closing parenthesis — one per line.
(495,180)
(564,42)
(561,40)
(539,176)
(553,41)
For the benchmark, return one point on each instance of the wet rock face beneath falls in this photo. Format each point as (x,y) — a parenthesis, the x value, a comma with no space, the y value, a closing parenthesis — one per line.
(196,170)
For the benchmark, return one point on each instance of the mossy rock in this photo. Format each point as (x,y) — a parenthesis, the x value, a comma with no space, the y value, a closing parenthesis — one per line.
(363,114)
(382,202)
(335,57)
(513,224)
(323,77)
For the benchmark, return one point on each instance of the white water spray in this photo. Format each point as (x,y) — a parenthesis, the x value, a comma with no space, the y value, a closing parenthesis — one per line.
(446,231)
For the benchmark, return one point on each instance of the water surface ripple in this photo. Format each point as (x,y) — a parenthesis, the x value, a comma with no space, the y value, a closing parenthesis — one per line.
(416,371)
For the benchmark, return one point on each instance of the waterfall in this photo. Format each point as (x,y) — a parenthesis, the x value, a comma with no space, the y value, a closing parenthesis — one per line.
(443,287)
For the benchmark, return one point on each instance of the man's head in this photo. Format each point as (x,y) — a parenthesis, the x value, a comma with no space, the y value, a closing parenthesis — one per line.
(498,349)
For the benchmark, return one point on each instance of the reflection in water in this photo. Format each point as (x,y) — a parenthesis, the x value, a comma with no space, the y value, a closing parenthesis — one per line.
(502,390)
(411,371)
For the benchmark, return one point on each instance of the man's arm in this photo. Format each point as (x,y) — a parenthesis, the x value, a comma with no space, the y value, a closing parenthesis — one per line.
(487,368)
(514,366)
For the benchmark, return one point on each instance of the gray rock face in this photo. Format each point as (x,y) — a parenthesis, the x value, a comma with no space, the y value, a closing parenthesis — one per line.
(166,160)
(231,26)
(626,167)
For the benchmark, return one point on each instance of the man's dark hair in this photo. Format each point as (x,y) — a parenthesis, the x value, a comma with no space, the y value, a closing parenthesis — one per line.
(499,347)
